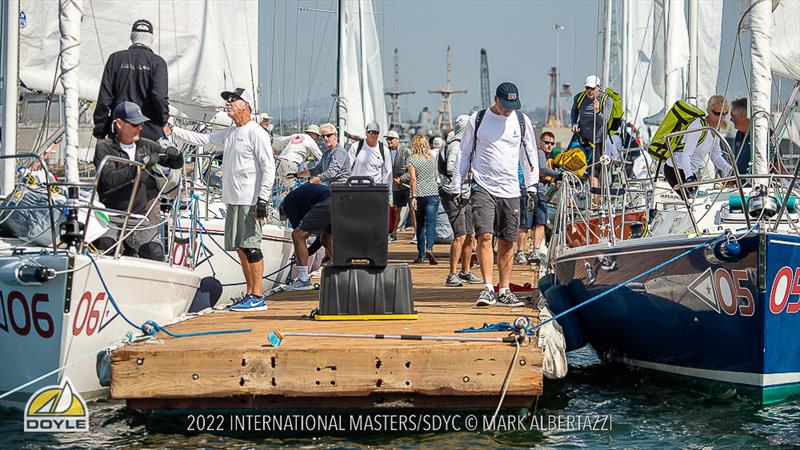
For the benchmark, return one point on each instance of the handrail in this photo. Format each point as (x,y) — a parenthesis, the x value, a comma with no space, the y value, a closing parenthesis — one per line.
(139,167)
(681,183)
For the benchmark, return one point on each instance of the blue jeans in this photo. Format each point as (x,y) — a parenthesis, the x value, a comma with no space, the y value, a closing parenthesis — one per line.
(426,223)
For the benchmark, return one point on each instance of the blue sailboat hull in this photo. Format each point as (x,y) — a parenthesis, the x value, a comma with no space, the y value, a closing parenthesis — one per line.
(711,316)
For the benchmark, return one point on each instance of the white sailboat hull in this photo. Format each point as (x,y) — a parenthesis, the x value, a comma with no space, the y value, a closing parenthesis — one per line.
(70,321)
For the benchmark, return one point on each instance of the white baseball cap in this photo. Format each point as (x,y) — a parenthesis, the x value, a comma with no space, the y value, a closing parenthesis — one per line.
(592,81)
(392,134)
(242,93)
(312,129)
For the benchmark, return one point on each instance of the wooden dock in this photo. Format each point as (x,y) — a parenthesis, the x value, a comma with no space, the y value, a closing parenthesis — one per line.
(236,371)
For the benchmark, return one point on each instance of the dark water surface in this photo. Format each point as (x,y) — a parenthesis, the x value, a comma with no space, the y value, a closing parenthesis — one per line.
(643,413)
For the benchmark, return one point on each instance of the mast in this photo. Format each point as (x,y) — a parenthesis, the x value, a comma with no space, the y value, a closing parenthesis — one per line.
(70,14)
(339,117)
(607,44)
(760,81)
(694,56)
(10,91)
(263,58)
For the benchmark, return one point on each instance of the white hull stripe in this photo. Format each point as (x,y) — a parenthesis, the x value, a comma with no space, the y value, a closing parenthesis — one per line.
(776,241)
(752,379)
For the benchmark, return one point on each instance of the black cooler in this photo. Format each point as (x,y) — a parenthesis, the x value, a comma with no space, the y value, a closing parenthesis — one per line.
(359,284)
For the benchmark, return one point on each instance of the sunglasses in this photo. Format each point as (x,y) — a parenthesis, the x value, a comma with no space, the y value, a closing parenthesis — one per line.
(329,135)
(373,132)
(716,113)
(548,142)
(233,99)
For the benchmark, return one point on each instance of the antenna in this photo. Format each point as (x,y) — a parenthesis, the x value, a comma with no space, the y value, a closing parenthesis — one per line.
(444,121)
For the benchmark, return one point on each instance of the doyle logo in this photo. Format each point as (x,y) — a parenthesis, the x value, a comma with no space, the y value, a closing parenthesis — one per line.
(56,409)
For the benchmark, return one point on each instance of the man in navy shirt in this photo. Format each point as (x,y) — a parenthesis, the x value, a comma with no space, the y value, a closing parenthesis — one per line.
(741,146)
(308,209)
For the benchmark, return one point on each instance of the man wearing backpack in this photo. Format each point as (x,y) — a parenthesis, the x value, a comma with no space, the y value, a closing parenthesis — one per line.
(459,213)
(371,158)
(591,111)
(494,141)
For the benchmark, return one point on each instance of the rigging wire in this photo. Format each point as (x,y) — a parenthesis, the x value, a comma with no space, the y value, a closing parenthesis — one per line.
(311,58)
(296,100)
(250,55)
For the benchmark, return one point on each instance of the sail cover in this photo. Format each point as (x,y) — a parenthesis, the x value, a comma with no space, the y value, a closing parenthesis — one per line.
(361,95)
(209,46)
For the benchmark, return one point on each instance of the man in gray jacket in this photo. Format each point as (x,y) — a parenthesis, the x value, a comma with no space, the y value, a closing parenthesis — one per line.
(458,213)
(334,167)
(401,193)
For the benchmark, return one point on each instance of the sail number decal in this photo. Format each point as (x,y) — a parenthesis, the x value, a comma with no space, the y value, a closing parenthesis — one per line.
(92,314)
(23,316)
(785,284)
(725,291)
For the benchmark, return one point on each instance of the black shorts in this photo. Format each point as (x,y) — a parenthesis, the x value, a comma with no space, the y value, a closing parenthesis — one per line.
(495,215)
(401,197)
(318,219)
(460,217)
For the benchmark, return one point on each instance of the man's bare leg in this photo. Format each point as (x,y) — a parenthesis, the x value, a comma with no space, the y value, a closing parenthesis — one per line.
(246,269)
(456,250)
(486,257)
(505,261)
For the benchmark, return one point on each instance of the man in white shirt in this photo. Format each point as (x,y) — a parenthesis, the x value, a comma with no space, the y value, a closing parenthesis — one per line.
(699,144)
(293,150)
(371,158)
(247,178)
(504,139)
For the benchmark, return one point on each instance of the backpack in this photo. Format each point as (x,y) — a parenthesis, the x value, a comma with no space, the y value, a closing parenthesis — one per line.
(358,150)
(615,121)
(573,160)
(678,118)
(478,119)
(441,160)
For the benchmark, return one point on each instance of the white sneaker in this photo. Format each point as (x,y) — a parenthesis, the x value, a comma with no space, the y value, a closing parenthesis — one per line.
(299,285)
(486,298)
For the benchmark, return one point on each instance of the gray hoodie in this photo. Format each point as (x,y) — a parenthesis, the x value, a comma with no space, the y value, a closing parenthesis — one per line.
(451,150)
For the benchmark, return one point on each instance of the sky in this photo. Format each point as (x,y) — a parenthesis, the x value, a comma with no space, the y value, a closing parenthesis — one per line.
(518,36)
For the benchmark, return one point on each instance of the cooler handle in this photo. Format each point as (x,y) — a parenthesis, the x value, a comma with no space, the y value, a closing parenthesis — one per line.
(360,180)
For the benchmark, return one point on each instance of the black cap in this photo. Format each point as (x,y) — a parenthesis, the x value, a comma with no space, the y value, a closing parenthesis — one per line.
(129,112)
(142,25)
(509,95)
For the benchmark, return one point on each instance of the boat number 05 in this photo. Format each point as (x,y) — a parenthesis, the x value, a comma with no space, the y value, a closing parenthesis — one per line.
(785,283)
(21,316)
(88,313)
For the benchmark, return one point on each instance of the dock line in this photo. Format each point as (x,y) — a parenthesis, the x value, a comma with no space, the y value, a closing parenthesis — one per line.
(150,328)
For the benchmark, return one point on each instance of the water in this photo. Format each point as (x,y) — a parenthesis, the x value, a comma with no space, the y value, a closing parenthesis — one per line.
(643,413)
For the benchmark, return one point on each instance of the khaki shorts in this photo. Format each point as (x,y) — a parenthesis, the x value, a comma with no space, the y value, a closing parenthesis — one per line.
(242,230)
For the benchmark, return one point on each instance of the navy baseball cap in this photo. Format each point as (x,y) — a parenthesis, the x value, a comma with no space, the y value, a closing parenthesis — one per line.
(509,95)
(129,112)
(142,25)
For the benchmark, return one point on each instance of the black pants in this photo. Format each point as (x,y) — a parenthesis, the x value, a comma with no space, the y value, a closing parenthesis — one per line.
(672,178)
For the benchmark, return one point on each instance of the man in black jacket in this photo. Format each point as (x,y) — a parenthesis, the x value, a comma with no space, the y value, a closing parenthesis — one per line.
(135,75)
(116,180)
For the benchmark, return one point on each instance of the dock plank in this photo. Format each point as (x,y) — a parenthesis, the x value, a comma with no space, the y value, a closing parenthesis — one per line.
(243,370)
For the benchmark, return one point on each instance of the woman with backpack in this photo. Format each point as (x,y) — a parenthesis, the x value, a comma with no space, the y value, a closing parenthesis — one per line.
(422,177)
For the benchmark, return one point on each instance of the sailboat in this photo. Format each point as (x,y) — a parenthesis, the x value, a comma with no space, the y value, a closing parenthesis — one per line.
(707,288)
(62,307)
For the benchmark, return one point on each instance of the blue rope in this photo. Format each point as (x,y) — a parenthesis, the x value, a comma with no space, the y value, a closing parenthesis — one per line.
(499,326)
(150,328)
(647,272)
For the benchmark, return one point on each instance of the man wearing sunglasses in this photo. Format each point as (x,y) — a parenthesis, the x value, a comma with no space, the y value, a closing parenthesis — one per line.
(371,158)
(700,144)
(334,167)
(248,173)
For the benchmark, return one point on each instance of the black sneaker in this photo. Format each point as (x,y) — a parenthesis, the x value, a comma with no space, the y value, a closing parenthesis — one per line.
(470,278)
(509,299)
(453,281)
(485,298)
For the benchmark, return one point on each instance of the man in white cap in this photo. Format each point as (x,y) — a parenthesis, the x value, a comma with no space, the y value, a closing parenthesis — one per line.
(247,178)
(369,157)
(265,121)
(294,150)
(591,110)
(401,193)
(135,75)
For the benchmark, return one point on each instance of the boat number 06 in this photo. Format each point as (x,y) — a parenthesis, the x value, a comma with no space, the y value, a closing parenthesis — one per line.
(22,317)
(88,313)
(786,283)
